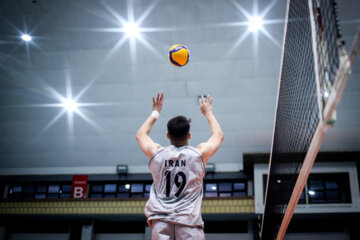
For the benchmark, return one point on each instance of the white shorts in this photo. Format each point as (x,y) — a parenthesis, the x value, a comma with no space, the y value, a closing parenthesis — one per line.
(169,231)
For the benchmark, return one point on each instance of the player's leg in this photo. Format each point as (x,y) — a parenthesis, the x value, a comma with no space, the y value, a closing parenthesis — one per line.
(188,233)
(162,230)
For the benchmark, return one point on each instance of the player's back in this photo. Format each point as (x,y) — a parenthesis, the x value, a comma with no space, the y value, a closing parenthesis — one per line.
(177,190)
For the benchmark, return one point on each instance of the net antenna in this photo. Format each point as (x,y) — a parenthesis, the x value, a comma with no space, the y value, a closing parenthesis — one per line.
(314,71)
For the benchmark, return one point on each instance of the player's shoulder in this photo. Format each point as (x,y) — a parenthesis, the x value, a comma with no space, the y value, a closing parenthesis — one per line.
(160,149)
(196,152)
(193,150)
(157,152)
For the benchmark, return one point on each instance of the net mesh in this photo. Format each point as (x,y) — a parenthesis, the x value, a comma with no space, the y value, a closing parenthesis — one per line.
(298,111)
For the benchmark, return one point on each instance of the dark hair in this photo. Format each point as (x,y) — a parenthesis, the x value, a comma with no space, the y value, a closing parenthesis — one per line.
(178,128)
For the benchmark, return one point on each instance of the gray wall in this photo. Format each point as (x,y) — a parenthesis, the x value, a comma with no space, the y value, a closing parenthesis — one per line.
(241,76)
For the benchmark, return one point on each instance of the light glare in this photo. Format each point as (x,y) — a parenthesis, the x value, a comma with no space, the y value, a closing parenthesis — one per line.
(127,186)
(255,23)
(26,37)
(70,105)
(326,94)
(312,193)
(132,30)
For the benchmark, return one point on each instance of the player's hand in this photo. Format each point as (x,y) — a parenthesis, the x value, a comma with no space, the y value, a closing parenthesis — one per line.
(205,105)
(157,103)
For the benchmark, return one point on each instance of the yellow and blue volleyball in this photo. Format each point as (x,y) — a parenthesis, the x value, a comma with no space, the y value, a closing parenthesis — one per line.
(179,55)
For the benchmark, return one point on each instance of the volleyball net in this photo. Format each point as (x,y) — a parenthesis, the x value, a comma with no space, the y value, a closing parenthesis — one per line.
(314,71)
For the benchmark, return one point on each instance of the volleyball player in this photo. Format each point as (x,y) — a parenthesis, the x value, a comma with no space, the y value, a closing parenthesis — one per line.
(174,207)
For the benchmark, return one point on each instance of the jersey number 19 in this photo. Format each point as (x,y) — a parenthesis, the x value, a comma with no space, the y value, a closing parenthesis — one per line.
(179,184)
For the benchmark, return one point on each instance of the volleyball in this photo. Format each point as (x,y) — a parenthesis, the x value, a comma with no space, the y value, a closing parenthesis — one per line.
(179,55)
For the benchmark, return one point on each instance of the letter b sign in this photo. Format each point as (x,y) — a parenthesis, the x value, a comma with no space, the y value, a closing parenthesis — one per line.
(78,192)
(79,186)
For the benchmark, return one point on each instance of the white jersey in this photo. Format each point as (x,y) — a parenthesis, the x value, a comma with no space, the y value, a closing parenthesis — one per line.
(177,190)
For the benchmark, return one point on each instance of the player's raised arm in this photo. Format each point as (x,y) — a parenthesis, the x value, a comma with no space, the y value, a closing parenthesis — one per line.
(210,147)
(147,145)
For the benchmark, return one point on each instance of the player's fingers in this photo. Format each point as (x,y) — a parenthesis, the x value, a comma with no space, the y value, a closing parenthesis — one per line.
(157,98)
(211,99)
(153,101)
(208,98)
(202,99)
(162,97)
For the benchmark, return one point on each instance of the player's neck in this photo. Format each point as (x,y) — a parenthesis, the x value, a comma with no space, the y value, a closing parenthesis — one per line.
(179,143)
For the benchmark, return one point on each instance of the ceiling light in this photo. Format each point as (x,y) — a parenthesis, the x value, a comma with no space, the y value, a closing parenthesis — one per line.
(312,193)
(69,105)
(26,37)
(254,24)
(132,30)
